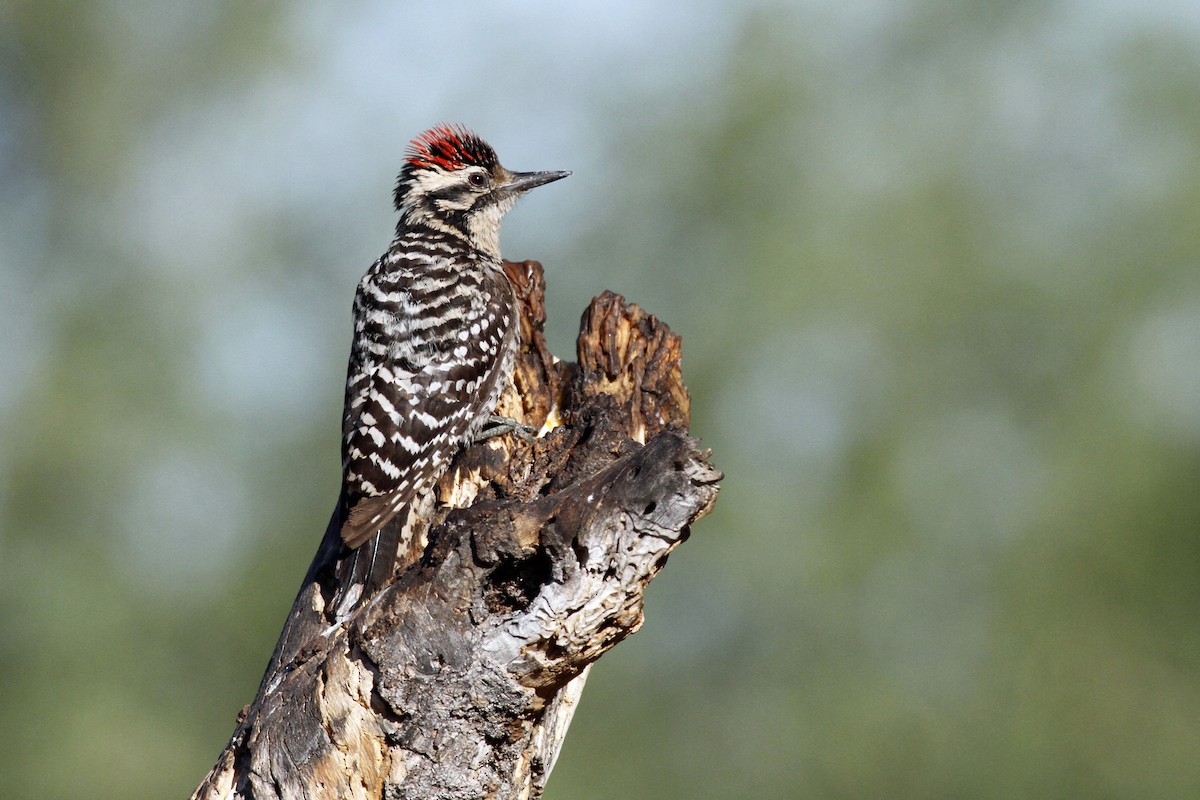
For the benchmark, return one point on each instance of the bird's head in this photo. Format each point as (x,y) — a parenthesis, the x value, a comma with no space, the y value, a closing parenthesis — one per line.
(451,178)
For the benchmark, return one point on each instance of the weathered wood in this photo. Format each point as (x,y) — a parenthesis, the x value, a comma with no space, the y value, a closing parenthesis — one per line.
(459,679)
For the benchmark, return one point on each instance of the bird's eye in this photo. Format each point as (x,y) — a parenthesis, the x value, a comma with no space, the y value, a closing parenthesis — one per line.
(478,179)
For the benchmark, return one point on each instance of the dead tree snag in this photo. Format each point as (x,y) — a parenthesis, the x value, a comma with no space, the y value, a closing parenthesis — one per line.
(459,679)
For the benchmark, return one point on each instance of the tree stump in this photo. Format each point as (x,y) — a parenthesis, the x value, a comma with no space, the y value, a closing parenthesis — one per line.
(459,679)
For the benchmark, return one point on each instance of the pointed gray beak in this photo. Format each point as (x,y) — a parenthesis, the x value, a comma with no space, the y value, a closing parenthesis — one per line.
(524,181)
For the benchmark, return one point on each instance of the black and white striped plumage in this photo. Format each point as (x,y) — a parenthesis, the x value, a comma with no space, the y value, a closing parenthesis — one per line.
(435,335)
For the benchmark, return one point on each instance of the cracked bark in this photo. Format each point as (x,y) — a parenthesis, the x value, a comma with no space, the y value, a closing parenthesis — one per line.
(459,679)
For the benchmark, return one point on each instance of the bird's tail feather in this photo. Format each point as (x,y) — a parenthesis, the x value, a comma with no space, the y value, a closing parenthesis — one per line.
(362,571)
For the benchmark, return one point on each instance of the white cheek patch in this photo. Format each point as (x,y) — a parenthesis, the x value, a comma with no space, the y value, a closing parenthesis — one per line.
(430,181)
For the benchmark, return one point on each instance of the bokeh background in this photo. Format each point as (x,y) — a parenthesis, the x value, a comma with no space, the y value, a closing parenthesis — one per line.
(937,269)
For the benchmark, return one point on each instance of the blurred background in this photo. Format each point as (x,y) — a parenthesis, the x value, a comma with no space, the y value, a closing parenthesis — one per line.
(937,269)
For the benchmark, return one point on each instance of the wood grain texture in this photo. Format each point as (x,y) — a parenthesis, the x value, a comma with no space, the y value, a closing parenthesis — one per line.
(459,679)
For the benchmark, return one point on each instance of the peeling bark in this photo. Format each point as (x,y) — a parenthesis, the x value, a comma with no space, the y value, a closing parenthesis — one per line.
(459,679)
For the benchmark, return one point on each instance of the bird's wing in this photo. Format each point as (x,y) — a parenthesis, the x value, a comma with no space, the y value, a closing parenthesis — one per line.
(408,426)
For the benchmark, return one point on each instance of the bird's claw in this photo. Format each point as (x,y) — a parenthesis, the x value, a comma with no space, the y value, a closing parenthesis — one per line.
(497,425)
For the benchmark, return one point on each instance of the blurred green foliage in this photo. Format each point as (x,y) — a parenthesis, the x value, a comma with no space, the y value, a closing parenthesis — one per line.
(937,269)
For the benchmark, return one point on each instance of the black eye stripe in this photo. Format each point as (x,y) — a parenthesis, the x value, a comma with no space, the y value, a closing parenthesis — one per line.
(447,193)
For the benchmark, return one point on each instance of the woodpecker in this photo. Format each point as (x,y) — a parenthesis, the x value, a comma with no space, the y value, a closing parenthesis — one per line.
(435,336)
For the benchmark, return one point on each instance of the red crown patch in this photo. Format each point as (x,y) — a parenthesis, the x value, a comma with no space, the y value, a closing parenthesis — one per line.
(449,147)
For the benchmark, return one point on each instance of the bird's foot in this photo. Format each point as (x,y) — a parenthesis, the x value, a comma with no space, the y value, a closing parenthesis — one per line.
(497,425)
